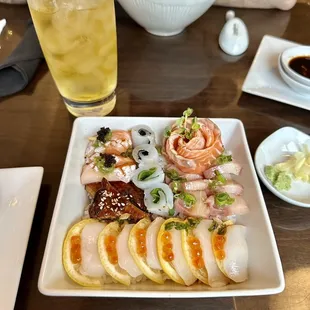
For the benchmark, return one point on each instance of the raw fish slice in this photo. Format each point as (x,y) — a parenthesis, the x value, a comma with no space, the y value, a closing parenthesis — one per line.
(72,268)
(142,134)
(112,267)
(151,243)
(168,266)
(135,241)
(199,209)
(196,185)
(233,259)
(122,161)
(230,187)
(179,261)
(91,265)
(238,207)
(125,259)
(198,154)
(228,168)
(187,176)
(122,173)
(215,276)
(119,143)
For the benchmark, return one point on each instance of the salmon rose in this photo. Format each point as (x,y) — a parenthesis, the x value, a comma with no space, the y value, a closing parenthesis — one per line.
(198,149)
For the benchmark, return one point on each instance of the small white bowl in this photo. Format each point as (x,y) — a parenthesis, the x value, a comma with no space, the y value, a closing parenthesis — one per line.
(296,86)
(274,149)
(165,17)
(288,55)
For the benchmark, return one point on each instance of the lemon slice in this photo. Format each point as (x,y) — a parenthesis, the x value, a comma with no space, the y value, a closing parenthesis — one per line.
(114,270)
(71,268)
(154,275)
(167,266)
(199,273)
(220,262)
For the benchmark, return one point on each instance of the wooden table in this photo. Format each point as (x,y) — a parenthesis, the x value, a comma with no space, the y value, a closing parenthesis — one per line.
(159,77)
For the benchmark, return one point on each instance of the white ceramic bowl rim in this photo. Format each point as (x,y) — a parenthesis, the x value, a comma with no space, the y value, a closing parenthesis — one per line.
(288,55)
(295,84)
(179,2)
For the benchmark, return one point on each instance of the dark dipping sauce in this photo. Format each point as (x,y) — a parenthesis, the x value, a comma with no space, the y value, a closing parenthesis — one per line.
(301,65)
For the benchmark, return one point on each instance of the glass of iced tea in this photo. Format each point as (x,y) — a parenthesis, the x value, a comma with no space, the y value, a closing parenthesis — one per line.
(78,39)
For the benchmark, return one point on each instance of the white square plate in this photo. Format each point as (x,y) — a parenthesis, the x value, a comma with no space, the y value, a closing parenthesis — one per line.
(19,189)
(274,149)
(265,270)
(264,79)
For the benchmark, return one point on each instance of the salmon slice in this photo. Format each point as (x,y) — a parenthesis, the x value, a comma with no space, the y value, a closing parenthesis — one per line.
(198,154)
(123,161)
(119,143)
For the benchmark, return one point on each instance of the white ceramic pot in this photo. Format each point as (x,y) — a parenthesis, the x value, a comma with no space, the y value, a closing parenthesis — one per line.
(165,17)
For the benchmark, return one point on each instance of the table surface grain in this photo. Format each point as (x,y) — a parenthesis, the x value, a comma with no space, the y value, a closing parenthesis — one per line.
(159,77)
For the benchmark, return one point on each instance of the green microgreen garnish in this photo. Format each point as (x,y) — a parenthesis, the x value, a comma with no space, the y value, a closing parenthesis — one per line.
(167,132)
(188,133)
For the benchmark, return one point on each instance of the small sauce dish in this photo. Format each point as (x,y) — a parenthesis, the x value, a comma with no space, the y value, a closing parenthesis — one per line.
(276,148)
(296,63)
(298,87)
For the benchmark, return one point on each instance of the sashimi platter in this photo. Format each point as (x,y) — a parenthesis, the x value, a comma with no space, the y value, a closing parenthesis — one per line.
(159,209)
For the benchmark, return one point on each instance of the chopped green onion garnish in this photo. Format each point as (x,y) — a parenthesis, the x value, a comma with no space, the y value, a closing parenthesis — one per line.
(155,193)
(171,212)
(145,174)
(223,159)
(213,226)
(223,199)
